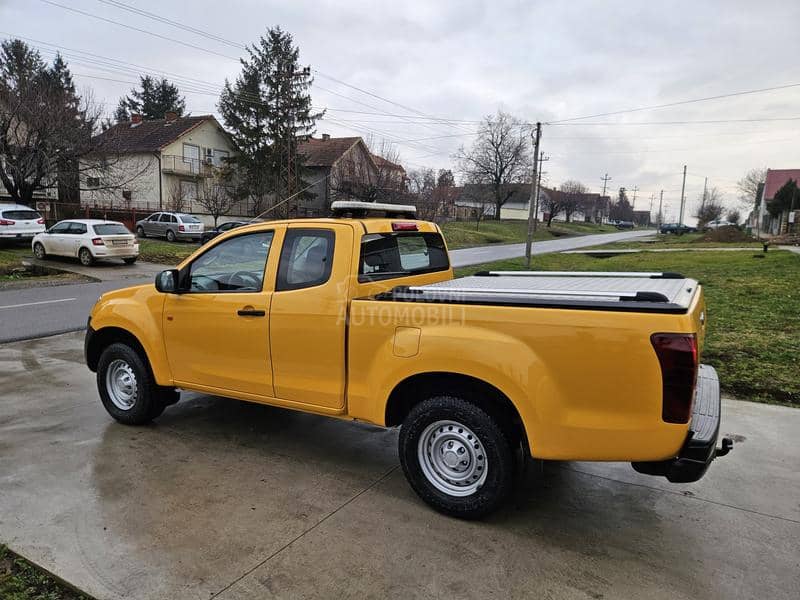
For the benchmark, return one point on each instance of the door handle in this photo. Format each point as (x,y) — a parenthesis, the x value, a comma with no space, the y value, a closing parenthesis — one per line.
(251,312)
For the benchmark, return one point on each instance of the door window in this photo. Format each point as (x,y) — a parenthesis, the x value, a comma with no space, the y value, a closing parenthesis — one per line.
(153,217)
(77,228)
(305,259)
(60,227)
(235,265)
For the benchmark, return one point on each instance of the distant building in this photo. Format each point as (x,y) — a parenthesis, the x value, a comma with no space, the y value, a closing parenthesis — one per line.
(774,181)
(345,169)
(158,164)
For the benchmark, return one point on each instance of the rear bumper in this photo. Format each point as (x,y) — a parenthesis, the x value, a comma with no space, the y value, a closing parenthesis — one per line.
(188,235)
(700,447)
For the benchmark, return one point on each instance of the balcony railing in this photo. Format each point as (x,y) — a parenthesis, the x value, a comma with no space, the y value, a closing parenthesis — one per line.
(187,167)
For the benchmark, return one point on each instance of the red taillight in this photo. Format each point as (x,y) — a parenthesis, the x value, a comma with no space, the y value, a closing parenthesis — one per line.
(98,242)
(40,221)
(181,228)
(6,222)
(404,226)
(677,355)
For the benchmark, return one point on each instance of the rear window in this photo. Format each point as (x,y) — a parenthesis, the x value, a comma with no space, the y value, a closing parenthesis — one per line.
(387,255)
(111,229)
(21,215)
(189,219)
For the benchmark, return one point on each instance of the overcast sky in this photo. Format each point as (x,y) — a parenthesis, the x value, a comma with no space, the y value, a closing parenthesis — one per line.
(465,59)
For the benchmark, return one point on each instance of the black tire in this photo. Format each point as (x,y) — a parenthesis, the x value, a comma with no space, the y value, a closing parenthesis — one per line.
(130,261)
(140,232)
(85,256)
(149,399)
(494,443)
(170,235)
(39,251)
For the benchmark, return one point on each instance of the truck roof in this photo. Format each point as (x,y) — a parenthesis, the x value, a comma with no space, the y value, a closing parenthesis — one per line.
(368,224)
(635,292)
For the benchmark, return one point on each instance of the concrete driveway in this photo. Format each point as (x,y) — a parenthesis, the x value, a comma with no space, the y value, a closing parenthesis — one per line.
(222,499)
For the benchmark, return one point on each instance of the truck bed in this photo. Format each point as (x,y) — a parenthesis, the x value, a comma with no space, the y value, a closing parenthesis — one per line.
(611,291)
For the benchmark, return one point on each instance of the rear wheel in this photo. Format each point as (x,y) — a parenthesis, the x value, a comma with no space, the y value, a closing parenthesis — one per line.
(456,457)
(170,235)
(85,256)
(129,261)
(39,251)
(127,388)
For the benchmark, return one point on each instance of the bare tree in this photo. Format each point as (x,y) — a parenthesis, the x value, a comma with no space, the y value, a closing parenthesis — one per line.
(749,186)
(499,157)
(217,198)
(734,216)
(551,203)
(178,197)
(574,193)
(711,209)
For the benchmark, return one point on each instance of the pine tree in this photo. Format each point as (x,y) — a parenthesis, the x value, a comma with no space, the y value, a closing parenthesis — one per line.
(153,99)
(268,112)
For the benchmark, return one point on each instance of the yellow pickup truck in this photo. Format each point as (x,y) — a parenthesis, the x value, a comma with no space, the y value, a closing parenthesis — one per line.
(358,317)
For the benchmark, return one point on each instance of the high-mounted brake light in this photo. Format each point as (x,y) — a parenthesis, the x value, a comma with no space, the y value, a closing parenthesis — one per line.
(98,242)
(6,222)
(404,226)
(677,355)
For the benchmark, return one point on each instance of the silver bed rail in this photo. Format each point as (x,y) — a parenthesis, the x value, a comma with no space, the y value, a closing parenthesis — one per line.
(448,293)
(630,274)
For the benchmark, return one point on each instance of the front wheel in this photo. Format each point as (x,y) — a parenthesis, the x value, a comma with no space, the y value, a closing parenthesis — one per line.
(39,251)
(86,258)
(127,388)
(140,232)
(456,457)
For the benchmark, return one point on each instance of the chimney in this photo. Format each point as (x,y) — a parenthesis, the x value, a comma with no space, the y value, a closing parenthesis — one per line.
(136,119)
(170,117)
(326,137)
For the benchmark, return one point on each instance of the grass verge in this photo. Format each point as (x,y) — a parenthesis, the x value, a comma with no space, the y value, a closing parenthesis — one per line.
(464,234)
(13,268)
(21,580)
(687,240)
(754,323)
(160,251)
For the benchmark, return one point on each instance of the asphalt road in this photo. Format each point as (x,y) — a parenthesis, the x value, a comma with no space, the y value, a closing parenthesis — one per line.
(46,310)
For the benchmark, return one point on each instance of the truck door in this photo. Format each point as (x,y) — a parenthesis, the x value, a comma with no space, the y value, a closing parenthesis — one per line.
(308,314)
(216,332)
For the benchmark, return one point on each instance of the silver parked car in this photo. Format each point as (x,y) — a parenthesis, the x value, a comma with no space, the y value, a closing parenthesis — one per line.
(170,225)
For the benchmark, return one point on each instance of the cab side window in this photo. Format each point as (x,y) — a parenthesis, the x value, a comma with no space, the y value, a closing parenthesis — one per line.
(306,259)
(235,265)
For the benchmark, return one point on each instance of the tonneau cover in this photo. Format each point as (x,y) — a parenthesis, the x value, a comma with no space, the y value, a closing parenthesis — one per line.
(639,292)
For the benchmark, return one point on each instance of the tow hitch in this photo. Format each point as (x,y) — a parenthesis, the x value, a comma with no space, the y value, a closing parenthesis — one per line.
(727,446)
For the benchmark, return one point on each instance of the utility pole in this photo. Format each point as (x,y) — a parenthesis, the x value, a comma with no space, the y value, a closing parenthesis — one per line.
(633,204)
(542,158)
(705,188)
(534,193)
(605,180)
(683,198)
(660,214)
(650,212)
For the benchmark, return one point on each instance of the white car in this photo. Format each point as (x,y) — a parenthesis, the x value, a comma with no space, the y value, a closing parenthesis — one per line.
(88,240)
(18,222)
(718,224)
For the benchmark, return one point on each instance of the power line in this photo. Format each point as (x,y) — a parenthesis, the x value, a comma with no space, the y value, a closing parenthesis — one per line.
(678,103)
(703,122)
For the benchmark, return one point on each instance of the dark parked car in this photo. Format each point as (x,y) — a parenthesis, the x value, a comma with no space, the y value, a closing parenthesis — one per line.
(676,228)
(625,225)
(210,234)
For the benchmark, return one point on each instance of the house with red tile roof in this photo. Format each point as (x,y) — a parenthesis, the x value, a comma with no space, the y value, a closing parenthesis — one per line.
(774,181)
(157,164)
(345,169)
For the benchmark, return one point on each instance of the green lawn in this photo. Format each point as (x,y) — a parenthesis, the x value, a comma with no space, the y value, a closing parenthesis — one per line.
(20,580)
(753,305)
(160,251)
(463,234)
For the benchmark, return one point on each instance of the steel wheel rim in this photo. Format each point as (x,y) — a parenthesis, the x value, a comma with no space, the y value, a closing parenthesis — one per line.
(121,384)
(452,458)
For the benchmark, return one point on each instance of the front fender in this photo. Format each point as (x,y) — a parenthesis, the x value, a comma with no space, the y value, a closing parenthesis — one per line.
(137,310)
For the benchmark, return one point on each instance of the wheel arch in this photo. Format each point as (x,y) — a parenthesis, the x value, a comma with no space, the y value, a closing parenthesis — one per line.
(417,388)
(103,338)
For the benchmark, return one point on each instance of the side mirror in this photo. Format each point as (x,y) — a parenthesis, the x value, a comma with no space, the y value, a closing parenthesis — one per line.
(167,281)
